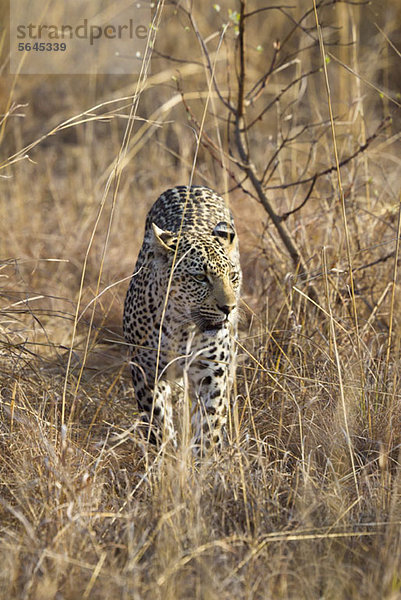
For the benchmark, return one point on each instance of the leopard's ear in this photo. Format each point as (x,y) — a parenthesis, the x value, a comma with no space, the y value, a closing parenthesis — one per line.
(225,232)
(164,240)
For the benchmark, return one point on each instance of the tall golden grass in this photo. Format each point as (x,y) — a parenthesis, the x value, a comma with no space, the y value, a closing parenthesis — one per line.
(304,501)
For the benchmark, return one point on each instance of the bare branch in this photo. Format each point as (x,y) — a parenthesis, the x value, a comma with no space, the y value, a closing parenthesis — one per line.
(260,85)
(304,201)
(282,92)
(206,55)
(241,78)
(361,149)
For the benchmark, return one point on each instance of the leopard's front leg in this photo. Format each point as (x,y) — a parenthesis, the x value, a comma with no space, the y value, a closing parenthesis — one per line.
(153,401)
(209,373)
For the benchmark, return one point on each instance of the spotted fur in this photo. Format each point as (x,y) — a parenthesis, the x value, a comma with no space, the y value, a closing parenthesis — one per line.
(180,315)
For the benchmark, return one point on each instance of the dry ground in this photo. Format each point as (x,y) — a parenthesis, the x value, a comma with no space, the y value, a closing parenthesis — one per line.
(305,500)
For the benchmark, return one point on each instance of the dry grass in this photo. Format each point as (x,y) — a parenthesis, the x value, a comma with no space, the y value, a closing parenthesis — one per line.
(304,502)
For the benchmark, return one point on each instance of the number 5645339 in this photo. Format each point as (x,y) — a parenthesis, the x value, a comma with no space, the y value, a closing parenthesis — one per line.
(42,46)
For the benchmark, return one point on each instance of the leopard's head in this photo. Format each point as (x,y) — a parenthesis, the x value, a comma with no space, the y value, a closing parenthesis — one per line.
(203,275)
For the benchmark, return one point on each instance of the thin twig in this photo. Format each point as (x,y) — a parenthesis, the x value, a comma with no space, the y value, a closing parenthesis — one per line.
(333,168)
(394,282)
(304,201)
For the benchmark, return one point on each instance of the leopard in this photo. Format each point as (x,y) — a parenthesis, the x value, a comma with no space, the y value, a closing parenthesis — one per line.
(181,315)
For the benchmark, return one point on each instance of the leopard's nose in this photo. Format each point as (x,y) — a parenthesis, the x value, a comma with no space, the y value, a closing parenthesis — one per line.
(226,308)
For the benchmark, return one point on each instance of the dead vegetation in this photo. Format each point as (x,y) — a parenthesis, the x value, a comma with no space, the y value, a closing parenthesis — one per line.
(304,502)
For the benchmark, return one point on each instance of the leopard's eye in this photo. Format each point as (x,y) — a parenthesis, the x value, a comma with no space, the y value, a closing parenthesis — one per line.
(234,277)
(201,277)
